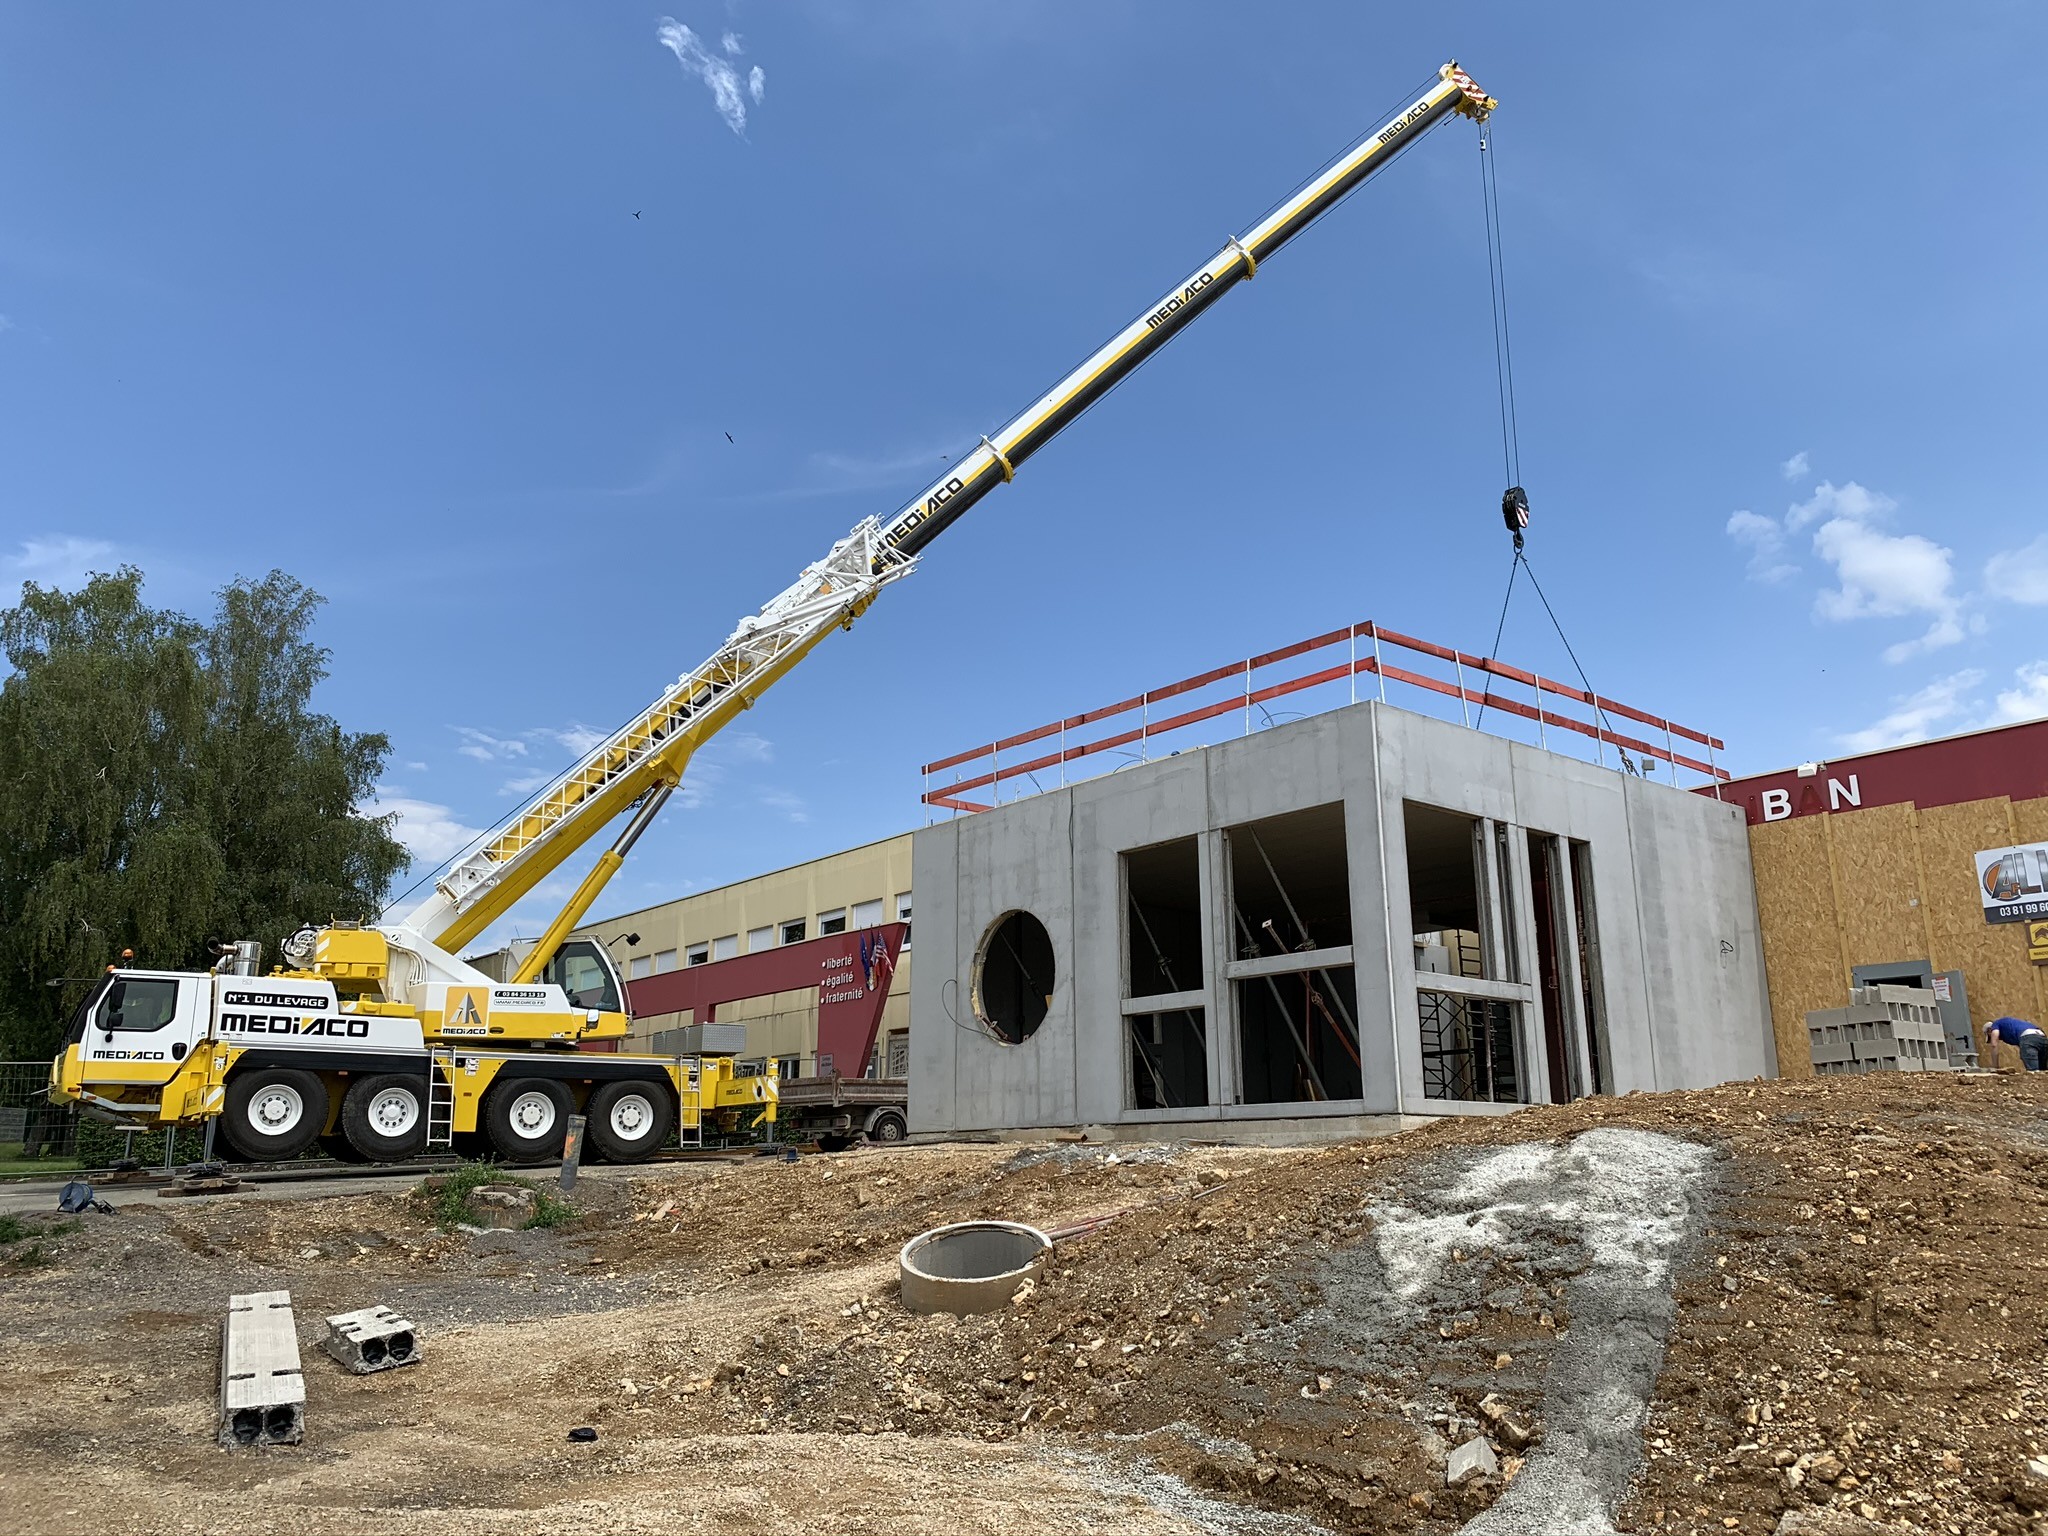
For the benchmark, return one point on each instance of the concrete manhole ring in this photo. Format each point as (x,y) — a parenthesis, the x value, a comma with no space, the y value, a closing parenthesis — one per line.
(970,1266)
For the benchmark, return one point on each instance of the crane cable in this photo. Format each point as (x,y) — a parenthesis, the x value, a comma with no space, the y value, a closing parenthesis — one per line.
(1514,502)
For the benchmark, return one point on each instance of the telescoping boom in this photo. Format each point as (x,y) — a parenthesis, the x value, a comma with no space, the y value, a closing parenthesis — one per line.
(644,761)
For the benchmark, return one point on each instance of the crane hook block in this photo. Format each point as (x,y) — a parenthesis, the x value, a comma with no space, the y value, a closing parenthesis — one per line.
(1514,510)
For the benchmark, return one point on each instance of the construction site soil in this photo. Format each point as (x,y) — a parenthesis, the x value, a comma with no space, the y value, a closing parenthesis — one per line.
(1829,1317)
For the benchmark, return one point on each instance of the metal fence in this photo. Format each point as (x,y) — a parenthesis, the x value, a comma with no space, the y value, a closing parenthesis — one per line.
(30,1125)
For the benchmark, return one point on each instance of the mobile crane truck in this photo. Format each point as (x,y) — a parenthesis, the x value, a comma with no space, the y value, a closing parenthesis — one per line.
(378,1041)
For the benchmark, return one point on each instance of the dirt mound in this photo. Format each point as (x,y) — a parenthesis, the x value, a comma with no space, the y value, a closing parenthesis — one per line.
(1834,1279)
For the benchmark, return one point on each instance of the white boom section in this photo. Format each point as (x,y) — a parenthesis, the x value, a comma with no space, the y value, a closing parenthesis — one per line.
(649,753)
(830,592)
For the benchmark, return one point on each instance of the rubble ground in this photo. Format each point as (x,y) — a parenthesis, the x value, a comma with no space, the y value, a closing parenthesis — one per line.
(1854,1337)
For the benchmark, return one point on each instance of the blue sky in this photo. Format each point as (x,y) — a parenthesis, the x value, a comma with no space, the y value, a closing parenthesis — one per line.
(361,294)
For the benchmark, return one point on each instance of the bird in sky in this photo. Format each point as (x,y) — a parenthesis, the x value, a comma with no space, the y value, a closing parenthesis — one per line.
(636,213)
(728,437)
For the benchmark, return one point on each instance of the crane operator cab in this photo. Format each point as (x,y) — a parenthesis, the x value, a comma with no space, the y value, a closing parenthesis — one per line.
(585,973)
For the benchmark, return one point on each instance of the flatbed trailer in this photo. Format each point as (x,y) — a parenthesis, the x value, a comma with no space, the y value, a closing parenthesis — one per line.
(837,1111)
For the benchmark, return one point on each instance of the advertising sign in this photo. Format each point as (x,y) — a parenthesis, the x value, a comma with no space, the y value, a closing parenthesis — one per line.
(2014,882)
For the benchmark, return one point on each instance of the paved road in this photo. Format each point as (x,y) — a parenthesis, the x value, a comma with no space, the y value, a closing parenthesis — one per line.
(18,1199)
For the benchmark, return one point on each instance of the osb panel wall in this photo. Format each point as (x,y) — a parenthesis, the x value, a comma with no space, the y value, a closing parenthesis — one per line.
(1796,906)
(1877,884)
(1838,891)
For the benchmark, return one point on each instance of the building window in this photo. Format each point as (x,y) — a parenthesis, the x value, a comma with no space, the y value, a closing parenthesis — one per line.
(664,960)
(725,948)
(793,931)
(759,939)
(867,914)
(903,916)
(639,966)
(787,1067)
(697,954)
(1463,916)
(832,922)
(1166,1045)
(1291,979)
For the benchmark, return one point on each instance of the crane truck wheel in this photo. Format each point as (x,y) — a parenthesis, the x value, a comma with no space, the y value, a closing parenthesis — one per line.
(274,1114)
(385,1117)
(527,1119)
(888,1126)
(629,1122)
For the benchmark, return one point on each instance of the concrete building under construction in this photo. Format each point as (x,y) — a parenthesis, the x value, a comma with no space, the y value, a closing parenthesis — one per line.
(1364,914)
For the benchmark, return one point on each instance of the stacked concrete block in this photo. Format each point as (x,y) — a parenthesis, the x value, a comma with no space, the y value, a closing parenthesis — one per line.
(372,1339)
(262,1393)
(1884,1029)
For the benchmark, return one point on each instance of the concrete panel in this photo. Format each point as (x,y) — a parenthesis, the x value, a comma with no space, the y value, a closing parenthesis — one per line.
(1018,857)
(1169,802)
(1702,943)
(935,875)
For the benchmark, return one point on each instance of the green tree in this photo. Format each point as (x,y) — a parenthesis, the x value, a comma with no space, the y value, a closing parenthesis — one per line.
(168,783)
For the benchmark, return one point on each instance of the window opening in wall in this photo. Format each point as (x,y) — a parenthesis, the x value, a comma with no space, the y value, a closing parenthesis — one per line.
(832,922)
(1169,1067)
(867,914)
(639,966)
(898,1054)
(1545,889)
(725,948)
(1592,988)
(664,960)
(1462,915)
(1013,977)
(697,954)
(903,916)
(1168,1047)
(1291,978)
(759,939)
(793,931)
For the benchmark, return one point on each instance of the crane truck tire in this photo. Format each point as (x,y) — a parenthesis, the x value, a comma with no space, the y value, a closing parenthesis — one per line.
(385,1117)
(274,1113)
(631,1121)
(527,1119)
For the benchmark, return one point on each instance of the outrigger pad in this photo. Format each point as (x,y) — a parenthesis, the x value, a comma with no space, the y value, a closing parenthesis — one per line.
(372,1339)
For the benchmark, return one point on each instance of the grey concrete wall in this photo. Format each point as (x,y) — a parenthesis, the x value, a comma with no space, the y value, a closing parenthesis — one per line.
(1680,954)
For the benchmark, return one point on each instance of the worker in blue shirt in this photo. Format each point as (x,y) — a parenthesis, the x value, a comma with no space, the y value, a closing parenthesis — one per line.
(2025,1038)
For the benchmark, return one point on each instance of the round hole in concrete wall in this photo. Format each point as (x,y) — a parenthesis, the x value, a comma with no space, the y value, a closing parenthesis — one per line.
(1013,977)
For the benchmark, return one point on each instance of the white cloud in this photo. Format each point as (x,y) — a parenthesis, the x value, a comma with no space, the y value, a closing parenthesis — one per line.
(416,767)
(2029,701)
(576,736)
(2020,575)
(485,747)
(717,72)
(1796,467)
(1916,716)
(7,324)
(731,43)
(431,832)
(1852,501)
(1880,575)
(525,784)
(1766,541)
(58,561)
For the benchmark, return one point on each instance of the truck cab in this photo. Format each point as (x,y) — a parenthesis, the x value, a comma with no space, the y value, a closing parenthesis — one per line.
(131,1035)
